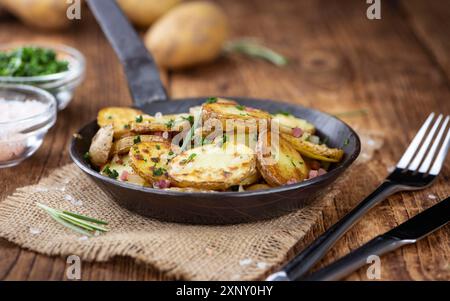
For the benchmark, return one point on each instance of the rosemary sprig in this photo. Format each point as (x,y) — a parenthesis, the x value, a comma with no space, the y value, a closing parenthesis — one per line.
(74,221)
(252,48)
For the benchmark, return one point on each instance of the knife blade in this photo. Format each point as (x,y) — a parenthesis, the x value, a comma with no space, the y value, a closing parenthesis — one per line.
(409,232)
(140,68)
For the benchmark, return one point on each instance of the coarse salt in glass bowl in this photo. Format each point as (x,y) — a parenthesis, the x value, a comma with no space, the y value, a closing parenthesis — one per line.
(63,84)
(26,114)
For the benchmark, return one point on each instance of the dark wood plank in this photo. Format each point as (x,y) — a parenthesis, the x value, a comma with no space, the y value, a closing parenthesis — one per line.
(339,61)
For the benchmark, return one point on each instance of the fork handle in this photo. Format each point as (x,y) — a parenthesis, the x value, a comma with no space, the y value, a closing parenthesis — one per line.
(298,266)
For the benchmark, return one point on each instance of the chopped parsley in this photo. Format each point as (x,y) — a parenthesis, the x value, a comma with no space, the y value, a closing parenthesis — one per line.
(158,147)
(139,118)
(137,139)
(87,156)
(190,118)
(284,113)
(170,123)
(189,159)
(31,61)
(211,100)
(157,172)
(240,107)
(171,153)
(126,126)
(112,173)
(346,141)
(293,163)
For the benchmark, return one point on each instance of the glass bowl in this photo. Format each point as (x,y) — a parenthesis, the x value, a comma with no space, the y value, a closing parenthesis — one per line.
(22,136)
(63,84)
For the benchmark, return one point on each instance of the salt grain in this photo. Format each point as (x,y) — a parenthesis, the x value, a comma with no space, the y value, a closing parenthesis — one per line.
(432,196)
(72,200)
(261,265)
(83,238)
(245,261)
(158,115)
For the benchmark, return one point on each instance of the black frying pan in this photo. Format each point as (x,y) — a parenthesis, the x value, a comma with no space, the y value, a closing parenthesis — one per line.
(200,208)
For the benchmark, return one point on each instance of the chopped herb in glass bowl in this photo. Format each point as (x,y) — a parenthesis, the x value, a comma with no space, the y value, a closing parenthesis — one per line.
(58,69)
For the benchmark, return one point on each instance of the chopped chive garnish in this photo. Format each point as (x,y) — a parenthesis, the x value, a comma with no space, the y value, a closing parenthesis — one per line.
(137,139)
(139,118)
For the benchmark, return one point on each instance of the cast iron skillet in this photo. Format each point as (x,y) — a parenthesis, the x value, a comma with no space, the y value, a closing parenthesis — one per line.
(201,208)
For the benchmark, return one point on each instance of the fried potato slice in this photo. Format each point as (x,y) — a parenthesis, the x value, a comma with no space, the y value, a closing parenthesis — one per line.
(258,187)
(241,115)
(251,179)
(288,122)
(101,145)
(123,145)
(279,164)
(212,167)
(315,151)
(120,166)
(150,159)
(164,123)
(119,117)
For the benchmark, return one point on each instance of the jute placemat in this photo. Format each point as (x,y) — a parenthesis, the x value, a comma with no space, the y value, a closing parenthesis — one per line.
(191,252)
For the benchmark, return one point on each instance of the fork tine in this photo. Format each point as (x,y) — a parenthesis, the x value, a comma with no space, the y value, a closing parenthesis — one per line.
(440,158)
(428,160)
(410,151)
(425,145)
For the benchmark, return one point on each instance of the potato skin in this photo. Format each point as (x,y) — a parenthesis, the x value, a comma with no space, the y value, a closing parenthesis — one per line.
(315,151)
(47,14)
(101,145)
(289,168)
(166,123)
(143,13)
(191,33)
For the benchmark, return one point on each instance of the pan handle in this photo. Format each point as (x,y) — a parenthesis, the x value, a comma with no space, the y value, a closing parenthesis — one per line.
(140,68)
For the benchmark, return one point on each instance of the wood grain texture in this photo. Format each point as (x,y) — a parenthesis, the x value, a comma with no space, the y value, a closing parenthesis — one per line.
(397,68)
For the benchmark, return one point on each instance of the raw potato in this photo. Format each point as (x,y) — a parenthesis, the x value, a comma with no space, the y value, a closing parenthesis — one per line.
(101,145)
(315,151)
(119,117)
(242,116)
(165,123)
(212,167)
(48,14)
(143,13)
(123,145)
(279,165)
(192,33)
(288,122)
(149,160)
(122,164)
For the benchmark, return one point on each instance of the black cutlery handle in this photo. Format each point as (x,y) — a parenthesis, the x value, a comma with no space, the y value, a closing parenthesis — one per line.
(356,259)
(304,261)
(141,70)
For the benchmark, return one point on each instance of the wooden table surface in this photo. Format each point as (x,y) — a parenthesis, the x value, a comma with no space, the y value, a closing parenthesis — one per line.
(398,68)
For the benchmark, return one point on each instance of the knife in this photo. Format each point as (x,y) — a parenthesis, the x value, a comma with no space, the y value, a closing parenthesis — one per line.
(140,68)
(407,233)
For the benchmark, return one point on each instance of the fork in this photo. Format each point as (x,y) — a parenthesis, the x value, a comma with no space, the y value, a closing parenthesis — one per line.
(417,169)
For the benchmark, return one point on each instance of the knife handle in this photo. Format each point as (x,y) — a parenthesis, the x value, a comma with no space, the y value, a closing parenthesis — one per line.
(304,261)
(357,259)
(141,70)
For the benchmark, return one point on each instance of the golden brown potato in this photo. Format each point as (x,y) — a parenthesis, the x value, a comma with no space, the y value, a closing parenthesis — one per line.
(279,165)
(48,14)
(288,122)
(143,13)
(123,145)
(251,179)
(191,33)
(315,151)
(212,167)
(101,145)
(237,116)
(150,159)
(165,123)
(120,169)
(119,117)
(258,187)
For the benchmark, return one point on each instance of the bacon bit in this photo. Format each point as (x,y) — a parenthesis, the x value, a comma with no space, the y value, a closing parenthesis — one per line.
(291,181)
(313,174)
(314,165)
(124,175)
(322,171)
(297,132)
(139,157)
(162,184)
(156,160)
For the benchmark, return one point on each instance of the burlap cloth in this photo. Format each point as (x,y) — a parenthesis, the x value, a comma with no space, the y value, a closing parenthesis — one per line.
(191,252)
